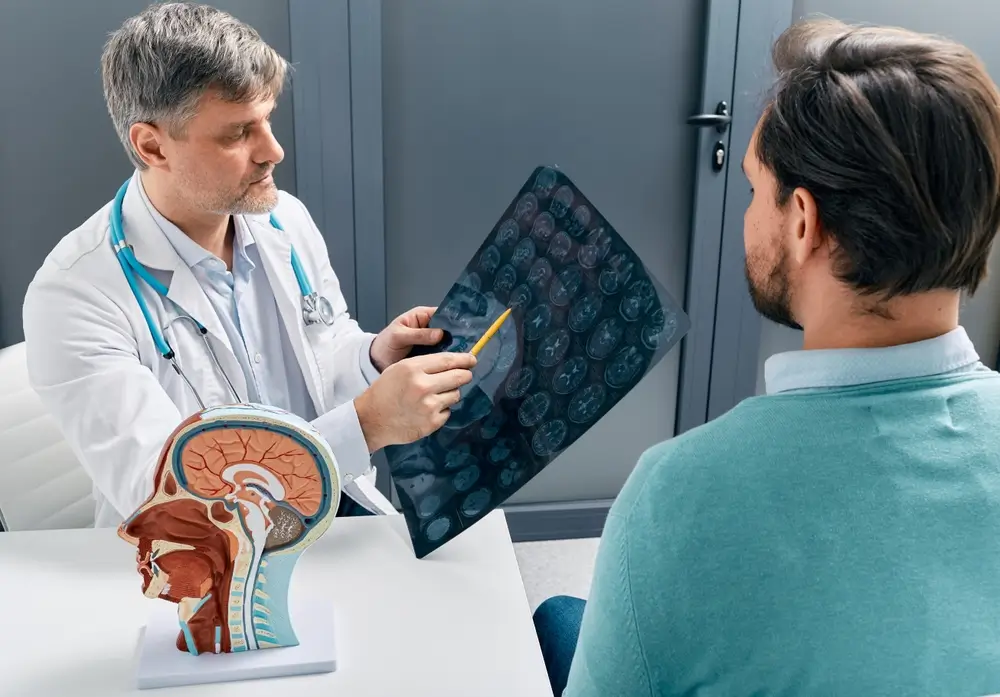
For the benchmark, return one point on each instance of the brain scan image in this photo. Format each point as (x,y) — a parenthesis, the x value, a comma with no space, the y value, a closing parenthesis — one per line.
(585,312)
(511,477)
(238,494)
(569,375)
(561,202)
(459,458)
(507,234)
(624,367)
(465,303)
(596,248)
(417,464)
(637,300)
(543,228)
(526,208)
(520,382)
(553,347)
(429,505)
(549,437)
(475,406)
(605,338)
(617,273)
(466,478)
(539,275)
(536,322)
(473,281)
(588,321)
(416,485)
(560,248)
(505,279)
(506,357)
(524,254)
(586,403)
(501,451)
(545,182)
(566,286)
(579,221)
(493,423)
(475,503)
(534,408)
(490,260)
(521,296)
(438,528)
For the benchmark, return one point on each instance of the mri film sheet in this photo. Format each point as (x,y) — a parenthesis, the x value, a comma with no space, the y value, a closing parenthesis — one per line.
(588,321)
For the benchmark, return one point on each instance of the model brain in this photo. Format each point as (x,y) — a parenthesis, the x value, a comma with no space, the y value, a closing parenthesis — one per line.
(239,492)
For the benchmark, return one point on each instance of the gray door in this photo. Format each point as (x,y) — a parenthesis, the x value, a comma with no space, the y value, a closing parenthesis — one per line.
(973,23)
(477,94)
(60,159)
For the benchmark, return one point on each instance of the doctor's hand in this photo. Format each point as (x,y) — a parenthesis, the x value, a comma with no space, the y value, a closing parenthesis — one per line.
(412,398)
(410,329)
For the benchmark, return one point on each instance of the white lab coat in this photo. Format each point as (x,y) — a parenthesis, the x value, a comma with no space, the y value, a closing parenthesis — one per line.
(94,364)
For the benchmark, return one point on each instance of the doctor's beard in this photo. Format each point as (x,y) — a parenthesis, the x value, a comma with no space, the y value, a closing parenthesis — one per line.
(253,197)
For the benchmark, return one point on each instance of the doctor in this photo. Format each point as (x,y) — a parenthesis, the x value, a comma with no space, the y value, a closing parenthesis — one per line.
(201,283)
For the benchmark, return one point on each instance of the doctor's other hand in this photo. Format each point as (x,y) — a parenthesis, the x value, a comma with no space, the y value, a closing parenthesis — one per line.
(412,398)
(410,329)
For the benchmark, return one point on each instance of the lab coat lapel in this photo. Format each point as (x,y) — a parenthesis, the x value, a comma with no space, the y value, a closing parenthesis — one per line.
(276,253)
(153,250)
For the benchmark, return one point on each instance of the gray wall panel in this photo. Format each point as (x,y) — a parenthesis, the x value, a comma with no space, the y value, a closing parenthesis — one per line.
(478,94)
(60,159)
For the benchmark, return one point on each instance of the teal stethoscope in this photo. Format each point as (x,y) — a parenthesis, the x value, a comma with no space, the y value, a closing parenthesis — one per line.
(315,307)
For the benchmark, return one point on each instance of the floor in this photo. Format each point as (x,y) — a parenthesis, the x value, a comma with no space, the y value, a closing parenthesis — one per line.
(560,567)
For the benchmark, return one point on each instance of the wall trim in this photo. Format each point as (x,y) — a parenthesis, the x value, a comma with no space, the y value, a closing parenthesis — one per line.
(736,345)
(365,18)
(532,522)
(321,100)
(719,56)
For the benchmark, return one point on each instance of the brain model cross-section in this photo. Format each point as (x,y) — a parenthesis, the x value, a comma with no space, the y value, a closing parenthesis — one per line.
(239,493)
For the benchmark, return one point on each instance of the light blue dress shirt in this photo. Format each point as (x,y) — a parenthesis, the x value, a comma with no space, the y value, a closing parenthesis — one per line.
(244,302)
(818,369)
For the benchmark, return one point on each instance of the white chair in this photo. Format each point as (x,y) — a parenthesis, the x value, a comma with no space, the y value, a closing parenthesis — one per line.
(42,485)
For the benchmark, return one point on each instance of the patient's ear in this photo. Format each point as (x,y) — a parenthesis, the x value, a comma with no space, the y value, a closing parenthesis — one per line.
(803,226)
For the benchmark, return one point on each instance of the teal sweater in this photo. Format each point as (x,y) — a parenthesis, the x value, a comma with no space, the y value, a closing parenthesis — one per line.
(838,541)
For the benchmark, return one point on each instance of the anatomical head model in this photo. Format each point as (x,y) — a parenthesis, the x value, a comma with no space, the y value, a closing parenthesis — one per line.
(239,493)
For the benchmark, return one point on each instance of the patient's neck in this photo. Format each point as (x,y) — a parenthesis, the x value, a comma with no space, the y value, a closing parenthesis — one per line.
(860,323)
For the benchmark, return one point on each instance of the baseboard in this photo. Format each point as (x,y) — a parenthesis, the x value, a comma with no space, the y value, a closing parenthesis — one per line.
(531,522)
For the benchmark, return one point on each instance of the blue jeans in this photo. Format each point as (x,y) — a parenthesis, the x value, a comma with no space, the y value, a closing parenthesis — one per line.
(557,623)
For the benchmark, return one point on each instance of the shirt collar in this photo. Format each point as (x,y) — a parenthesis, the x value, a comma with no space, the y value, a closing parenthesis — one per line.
(190,252)
(824,368)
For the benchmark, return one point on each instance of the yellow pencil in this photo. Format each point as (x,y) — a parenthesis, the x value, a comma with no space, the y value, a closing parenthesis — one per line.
(490,332)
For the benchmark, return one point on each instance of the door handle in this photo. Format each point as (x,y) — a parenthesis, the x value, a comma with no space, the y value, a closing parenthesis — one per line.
(720,119)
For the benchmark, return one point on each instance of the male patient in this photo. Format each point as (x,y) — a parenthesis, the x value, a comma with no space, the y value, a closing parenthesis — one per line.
(840,535)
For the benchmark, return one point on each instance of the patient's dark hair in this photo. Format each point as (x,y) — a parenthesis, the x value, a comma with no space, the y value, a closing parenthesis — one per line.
(897,137)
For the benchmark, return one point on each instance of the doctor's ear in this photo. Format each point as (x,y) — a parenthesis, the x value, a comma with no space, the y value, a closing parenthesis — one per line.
(147,142)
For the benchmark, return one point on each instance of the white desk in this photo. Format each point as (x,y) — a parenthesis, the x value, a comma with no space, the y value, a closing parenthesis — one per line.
(455,624)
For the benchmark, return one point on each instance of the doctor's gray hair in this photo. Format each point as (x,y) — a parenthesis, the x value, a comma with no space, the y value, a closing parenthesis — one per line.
(160,62)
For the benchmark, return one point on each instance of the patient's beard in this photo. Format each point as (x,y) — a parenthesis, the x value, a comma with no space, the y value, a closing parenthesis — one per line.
(769,287)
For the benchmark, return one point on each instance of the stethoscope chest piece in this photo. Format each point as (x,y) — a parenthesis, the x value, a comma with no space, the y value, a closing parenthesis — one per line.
(316,309)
